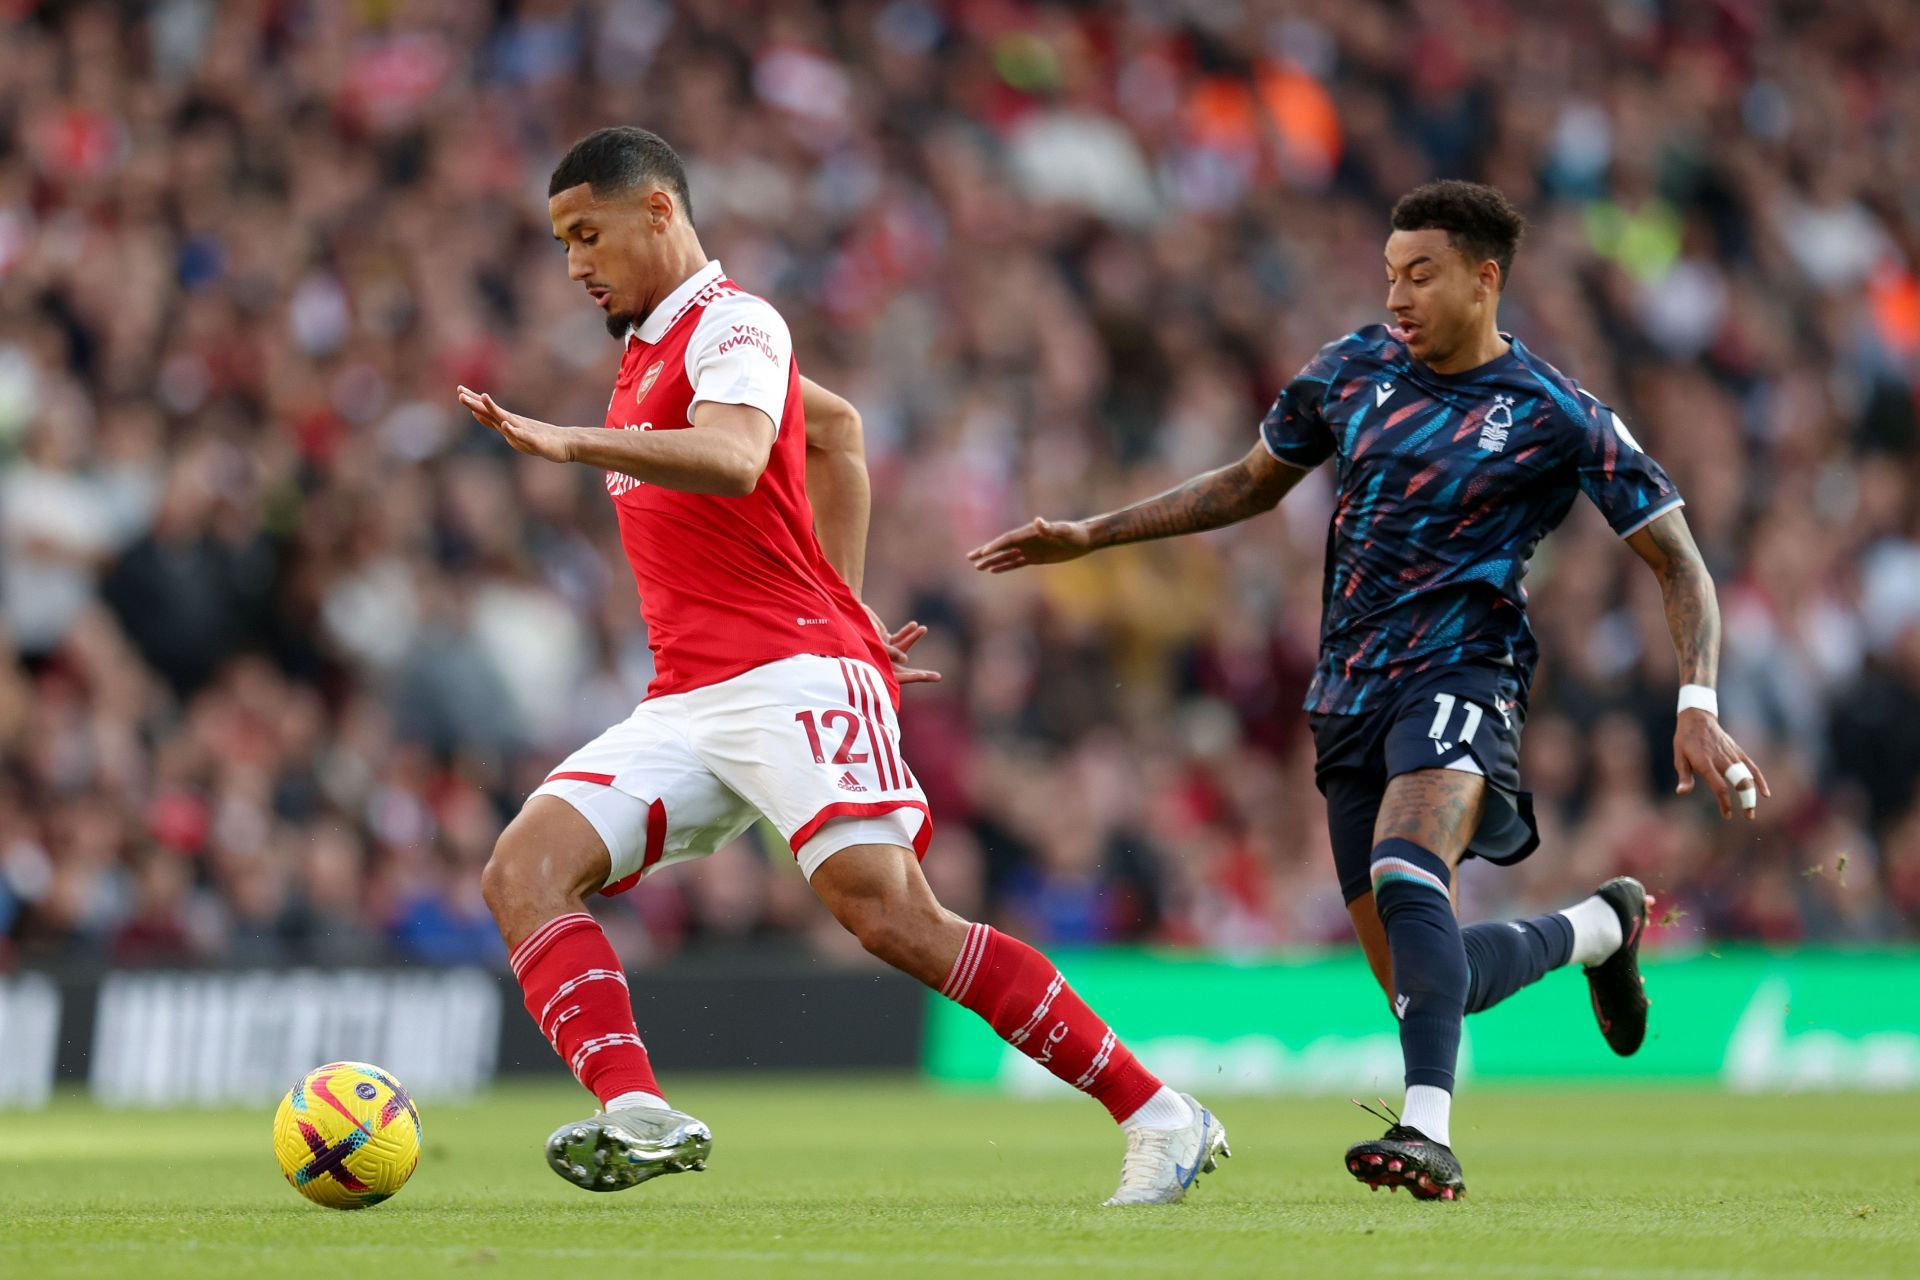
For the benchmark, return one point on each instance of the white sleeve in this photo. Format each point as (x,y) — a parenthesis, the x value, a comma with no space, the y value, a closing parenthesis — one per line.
(741,353)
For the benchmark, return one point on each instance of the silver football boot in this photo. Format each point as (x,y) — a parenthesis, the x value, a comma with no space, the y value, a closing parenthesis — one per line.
(614,1150)
(1161,1164)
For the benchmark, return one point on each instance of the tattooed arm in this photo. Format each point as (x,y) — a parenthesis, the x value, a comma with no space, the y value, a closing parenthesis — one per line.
(1700,745)
(1693,612)
(1227,496)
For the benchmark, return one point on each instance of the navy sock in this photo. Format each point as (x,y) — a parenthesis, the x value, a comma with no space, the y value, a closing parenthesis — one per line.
(1410,887)
(1506,955)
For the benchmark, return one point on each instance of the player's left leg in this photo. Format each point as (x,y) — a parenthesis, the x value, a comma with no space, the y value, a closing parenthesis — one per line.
(1601,933)
(880,894)
(813,743)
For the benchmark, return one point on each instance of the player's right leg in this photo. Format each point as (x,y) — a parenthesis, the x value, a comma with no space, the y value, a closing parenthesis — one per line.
(1426,819)
(543,867)
(579,834)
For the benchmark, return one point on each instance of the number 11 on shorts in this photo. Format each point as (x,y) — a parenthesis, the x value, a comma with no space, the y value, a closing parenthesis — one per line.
(846,754)
(1469,723)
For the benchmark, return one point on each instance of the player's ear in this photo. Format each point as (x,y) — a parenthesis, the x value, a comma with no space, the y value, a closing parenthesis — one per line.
(659,209)
(1489,280)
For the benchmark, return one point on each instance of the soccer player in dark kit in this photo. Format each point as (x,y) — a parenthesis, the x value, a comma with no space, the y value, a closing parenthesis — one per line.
(1456,451)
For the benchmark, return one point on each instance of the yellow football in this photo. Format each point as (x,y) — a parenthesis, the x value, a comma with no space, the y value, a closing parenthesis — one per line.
(347,1136)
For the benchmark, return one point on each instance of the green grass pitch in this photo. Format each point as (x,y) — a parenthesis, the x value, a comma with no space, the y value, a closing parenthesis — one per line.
(853,1178)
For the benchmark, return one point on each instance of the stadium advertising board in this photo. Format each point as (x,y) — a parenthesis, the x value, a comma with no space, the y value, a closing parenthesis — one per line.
(29,1039)
(1749,1019)
(210,1038)
(215,1037)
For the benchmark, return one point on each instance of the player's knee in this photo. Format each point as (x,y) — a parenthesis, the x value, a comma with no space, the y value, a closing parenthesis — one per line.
(513,881)
(547,860)
(877,929)
(898,932)
(502,878)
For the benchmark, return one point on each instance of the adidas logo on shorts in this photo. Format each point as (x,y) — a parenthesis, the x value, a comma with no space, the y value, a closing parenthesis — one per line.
(850,783)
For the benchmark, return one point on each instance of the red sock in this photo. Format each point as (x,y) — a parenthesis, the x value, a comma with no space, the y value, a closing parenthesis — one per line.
(1024,998)
(577,993)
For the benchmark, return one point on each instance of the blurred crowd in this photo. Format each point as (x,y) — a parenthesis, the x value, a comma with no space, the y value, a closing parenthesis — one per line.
(287,637)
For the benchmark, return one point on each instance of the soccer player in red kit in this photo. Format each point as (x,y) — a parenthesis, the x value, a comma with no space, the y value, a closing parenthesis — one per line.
(741,492)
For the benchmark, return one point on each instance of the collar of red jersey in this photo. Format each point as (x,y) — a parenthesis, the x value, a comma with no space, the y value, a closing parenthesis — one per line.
(661,318)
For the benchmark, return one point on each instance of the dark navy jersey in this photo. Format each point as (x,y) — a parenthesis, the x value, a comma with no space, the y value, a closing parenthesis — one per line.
(1447,483)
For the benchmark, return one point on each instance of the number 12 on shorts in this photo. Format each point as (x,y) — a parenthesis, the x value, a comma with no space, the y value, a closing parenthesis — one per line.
(826,720)
(1469,723)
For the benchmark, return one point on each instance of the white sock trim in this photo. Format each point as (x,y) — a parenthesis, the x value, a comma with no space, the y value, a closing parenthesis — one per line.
(1596,930)
(1164,1110)
(1429,1109)
(636,1098)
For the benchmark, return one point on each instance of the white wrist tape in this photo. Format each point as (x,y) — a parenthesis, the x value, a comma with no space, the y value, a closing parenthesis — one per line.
(1700,697)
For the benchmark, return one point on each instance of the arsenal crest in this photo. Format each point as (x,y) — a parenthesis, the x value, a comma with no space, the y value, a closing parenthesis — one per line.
(647,379)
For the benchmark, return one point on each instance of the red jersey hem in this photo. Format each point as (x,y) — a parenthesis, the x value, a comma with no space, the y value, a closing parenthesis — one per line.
(688,684)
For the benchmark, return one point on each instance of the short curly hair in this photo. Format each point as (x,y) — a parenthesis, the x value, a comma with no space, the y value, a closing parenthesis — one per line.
(1478,220)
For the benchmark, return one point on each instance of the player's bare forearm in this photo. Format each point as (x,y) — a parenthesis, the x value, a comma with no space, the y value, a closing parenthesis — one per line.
(1693,611)
(837,482)
(1233,493)
(722,453)
(1219,498)
(1701,748)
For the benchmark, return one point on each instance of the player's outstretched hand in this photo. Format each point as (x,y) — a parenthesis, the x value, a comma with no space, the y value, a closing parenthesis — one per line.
(898,643)
(1702,748)
(528,435)
(1040,541)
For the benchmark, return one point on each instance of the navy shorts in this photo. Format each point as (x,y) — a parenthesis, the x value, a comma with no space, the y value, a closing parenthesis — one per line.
(1466,717)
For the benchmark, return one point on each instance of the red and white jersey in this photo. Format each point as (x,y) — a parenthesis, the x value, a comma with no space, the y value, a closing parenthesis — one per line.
(727,584)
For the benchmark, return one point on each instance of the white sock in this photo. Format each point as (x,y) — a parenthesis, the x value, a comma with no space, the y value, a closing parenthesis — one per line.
(1430,1110)
(1164,1110)
(637,1098)
(1596,930)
